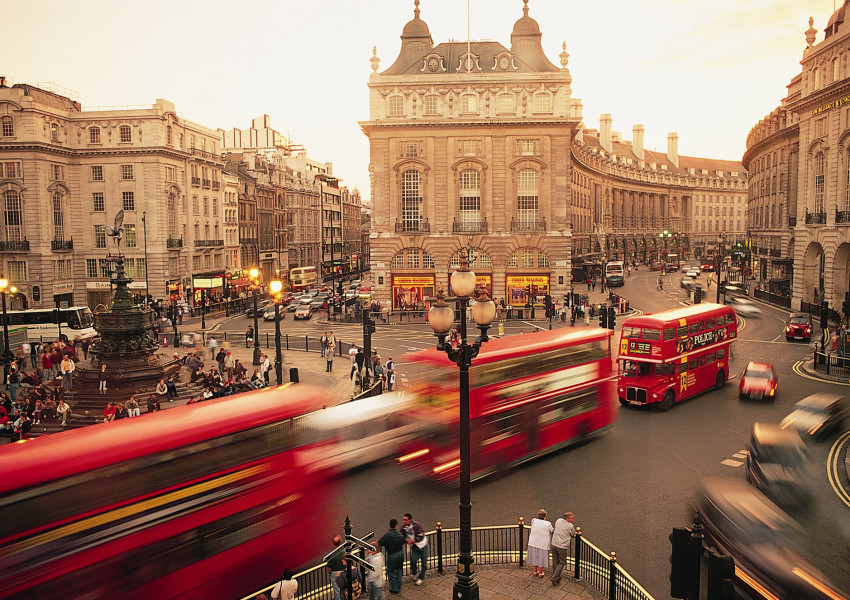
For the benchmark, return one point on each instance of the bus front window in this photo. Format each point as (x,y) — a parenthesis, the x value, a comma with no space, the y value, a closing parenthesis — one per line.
(628,368)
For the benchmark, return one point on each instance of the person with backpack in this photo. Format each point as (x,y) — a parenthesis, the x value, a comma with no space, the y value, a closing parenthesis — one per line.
(356,582)
(286,588)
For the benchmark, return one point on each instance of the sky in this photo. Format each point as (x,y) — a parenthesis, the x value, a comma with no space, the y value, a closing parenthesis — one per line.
(706,70)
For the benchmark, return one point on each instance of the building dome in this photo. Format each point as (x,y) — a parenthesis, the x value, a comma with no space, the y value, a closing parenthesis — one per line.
(417,28)
(526,25)
(835,20)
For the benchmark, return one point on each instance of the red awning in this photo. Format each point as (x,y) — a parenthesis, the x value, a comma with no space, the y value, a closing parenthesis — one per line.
(239,282)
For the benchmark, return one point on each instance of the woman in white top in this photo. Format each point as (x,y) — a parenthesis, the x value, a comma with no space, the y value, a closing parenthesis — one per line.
(538,542)
(285,589)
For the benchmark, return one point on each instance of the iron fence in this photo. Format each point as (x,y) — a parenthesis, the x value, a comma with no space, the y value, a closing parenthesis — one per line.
(770,297)
(832,364)
(495,545)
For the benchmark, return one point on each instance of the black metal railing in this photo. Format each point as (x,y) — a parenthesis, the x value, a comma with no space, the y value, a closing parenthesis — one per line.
(216,185)
(775,252)
(469,226)
(174,242)
(771,298)
(248,241)
(196,181)
(413,226)
(205,183)
(817,218)
(60,245)
(208,243)
(792,221)
(832,364)
(528,225)
(842,216)
(498,545)
(207,155)
(15,246)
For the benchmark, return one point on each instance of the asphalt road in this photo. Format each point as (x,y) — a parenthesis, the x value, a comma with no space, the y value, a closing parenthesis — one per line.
(631,486)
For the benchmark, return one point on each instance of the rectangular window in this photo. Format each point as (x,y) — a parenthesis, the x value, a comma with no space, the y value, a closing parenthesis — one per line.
(469,148)
(396,106)
(196,263)
(432,104)
(206,206)
(97,173)
(682,368)
(91,268)
(411,149)
(693,328)
(528,147)
(469,103)
(693,363)
(730,318)
(141,267)
(195,206)
(669,334)
(57,172)
(215,206)
(130,267)
(105,267)
(97,201)
(125,133)
(721,353)
(709,323)
(130,235)
(128,200)
(682,331)
(126,172)
(17,270)
(94,135)
(170,174)
(505,103)
(62,269)
(99,236)
(11,170)
(172,266)
(8,127)
(542,103)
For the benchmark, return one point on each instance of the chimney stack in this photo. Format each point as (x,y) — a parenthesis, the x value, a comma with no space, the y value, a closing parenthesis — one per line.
(673,148)
(637,141)
(2,81)
(605,133)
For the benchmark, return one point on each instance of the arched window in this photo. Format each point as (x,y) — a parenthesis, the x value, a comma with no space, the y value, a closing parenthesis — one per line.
(171,205)
(528,258)
(527,200)
(819,182)
(13,217)
(94,135)
(411,200)
(54,132)
(505,103)
(478,259)
(542,102)
(125,134)
(58,218)
(168,138)
(469,103)
(412,258)
(7,126)
(469,209)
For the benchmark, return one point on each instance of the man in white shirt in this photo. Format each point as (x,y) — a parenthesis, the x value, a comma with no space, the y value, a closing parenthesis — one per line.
(376,578)
(564,532)
(286,588)
(352,354)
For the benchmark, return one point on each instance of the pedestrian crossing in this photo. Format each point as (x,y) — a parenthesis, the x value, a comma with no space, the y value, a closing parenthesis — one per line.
(736,460)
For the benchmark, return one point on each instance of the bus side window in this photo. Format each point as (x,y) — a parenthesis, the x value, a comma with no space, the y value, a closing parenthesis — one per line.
(709,323)
(669,334)
(702,361)
(730,318)
(710,358)
(721,353)
(694,328)
(682,331)
(682,368)
(693,363)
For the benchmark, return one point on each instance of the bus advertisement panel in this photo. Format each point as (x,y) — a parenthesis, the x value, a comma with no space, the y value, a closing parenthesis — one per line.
(529,395)
(669,356)
(614,273)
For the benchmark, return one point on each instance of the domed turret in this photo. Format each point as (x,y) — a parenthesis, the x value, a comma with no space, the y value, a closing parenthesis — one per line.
(416,42)
(526,44)
(526,25)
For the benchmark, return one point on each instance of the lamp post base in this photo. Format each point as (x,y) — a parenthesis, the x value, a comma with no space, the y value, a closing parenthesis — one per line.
(256,360)
(465,586)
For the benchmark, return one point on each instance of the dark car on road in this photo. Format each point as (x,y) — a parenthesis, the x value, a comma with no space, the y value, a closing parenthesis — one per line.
(798,326)
(763,540)
(262,306)
(778,464)
(818,416)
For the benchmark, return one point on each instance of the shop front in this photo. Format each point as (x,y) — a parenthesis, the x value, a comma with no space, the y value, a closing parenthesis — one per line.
(212,285)
(410,291)
(525,289)
(98,293)
(63,295)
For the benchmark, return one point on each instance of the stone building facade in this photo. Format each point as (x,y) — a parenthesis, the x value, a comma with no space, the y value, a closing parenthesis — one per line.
(800,158)
(470,147)
(625,196)
(66,172)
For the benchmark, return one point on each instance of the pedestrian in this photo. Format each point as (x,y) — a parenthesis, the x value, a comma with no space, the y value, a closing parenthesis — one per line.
(67,369)
(212,344)
(266,368)
(229,364)
(329,360)
(356,582)
(334,566)
(132,407)
(63,410)
(393,542)
(219,360)
(538,543)
(109,412)
(30,349)
(376,578)
(153,403)
(352,354)
(415,537)
(286,588)
(390,368)
(323,342)
(101,377)
(171,386)
(249,336)
(564,532)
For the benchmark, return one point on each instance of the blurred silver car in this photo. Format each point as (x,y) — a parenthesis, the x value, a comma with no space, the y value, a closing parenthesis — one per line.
(818,416)
(778,464)
(743,307)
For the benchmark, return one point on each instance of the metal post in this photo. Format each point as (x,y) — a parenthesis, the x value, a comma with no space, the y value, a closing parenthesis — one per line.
(440,547)
(174,310)
(612,577)
(256,360)
(278,361)
(577,554)
(145,227)
(696,555)
(203,306)
(7,355)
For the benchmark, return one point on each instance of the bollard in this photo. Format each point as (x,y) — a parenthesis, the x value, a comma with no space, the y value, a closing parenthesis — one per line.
(612,577)
(521,543)
(439,547)
(577,556)
(293,374)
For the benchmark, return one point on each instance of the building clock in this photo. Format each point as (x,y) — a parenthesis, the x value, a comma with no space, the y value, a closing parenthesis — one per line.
(433,64)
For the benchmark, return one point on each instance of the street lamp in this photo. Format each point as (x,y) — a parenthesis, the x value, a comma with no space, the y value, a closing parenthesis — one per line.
(718,264)
(254,273)
(441,319)
(275,288)
(7,355)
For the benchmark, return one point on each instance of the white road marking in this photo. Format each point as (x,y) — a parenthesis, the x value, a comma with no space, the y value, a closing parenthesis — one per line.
(776,338)
(731,463)
(742,455)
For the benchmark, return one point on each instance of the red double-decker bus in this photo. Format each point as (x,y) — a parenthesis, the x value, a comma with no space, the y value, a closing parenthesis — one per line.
(529,395)
(210,500)
(672,355)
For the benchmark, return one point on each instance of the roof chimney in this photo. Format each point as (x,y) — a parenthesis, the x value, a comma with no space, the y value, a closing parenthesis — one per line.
(673,148)
(2,81)
(637,141)
(605,133)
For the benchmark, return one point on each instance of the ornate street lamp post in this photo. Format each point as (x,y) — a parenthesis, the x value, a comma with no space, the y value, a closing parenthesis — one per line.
(718,259)
(275,288)
(441,319)
(7,354)
(254,273)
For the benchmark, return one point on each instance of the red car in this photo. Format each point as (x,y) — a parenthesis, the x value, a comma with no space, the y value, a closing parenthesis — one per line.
(798,327)
(758,381)
(707,266)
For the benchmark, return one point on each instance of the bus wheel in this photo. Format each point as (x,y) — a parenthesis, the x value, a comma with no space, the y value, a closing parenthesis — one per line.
(720,381)
(667,402)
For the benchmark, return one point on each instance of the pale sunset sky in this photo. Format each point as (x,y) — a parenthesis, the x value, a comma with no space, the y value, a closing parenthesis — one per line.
(707,70)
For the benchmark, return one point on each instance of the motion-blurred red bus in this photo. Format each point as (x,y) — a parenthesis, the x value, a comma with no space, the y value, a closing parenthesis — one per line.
(529,395)
(672,355)
(211,500)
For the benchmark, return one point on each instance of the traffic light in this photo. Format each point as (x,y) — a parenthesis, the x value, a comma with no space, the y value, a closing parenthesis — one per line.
(371,326)
(612,318)
(680,563)
(603,317)
(824,315)
(721,573)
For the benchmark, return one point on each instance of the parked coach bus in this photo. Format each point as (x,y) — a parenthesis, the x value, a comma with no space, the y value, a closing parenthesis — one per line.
(614,273)
(209,500)
(669,356)
(529,395)
(75,323)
